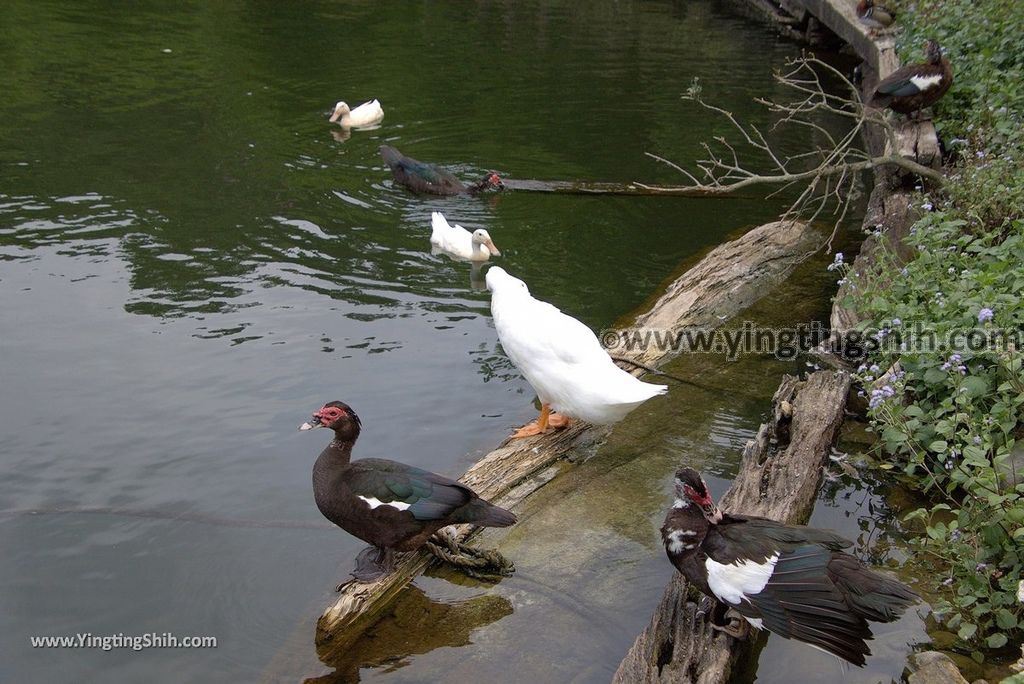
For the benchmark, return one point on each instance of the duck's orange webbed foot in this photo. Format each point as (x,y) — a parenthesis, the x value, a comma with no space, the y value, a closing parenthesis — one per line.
(528,430)
(558,421)
(541,425)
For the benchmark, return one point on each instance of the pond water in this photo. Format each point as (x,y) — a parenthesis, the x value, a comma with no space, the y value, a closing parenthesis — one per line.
(192,260)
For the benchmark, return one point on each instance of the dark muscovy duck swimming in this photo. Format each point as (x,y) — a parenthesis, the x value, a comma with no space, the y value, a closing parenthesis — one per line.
(393,506)
(430,178)
(792,580)
(911,88)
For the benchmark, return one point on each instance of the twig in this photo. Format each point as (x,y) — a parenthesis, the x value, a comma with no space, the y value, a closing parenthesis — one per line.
(829,173)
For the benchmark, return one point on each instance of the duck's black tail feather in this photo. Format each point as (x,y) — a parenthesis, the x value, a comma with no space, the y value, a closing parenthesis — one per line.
(869,593)
(485,514)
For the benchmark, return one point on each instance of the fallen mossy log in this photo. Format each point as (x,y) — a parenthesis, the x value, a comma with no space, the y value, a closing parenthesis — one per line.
(778,478)
(517,468)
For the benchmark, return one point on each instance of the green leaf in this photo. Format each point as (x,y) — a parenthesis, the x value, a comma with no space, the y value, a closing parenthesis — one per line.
(997,640)
(974,452)
(967,630)
(976,386)
(1005,619)
(934,376)
(939,446)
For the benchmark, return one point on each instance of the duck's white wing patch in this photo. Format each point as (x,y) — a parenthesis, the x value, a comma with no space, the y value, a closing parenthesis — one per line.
(925,82)
(680,540)
(375,502)
(734,582)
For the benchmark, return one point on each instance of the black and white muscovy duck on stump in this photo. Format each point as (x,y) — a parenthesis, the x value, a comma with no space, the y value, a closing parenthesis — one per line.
(792,580)
(431,178)
(910,89)
(390,505)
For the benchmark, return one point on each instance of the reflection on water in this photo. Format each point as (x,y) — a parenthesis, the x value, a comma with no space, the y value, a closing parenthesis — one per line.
(414,625)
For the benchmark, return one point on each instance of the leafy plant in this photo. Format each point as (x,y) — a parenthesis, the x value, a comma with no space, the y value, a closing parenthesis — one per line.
(945,384)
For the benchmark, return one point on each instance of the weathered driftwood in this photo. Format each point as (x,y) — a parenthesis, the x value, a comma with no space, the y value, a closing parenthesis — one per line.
(724,283)
(711,291)
(779,479)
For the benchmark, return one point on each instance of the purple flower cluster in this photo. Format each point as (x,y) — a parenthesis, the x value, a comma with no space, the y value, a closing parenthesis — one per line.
(985,314)
(954,361)
(837,262)
(879,395)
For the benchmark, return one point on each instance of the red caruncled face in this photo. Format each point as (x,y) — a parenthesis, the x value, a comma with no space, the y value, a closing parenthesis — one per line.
(328,414)
(691,485)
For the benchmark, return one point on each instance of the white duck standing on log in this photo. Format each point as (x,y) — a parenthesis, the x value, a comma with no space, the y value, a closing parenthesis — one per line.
(366,114)
(458,242)
(562,359)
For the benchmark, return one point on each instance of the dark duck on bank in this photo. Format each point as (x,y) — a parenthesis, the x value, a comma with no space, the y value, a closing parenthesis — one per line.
(875,17)
(915,86)
(390,505)
(430,178)
(794,581)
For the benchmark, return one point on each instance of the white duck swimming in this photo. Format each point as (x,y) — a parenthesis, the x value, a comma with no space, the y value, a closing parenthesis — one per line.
(366,114)
(562,359)
(459,242)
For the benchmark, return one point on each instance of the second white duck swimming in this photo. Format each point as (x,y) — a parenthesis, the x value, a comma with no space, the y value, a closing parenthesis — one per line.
(459,242)
(366,114)
(562,359)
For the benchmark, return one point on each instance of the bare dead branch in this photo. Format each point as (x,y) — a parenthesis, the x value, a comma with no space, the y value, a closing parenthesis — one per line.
(827,175)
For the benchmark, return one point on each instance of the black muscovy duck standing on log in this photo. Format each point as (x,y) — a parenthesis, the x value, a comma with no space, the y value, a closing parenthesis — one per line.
(911,88)
(430,178)
(794,581)
(393,506)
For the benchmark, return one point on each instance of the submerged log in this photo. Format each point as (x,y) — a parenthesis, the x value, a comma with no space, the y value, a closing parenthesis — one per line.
(703,296)
(778,479)
(604,188)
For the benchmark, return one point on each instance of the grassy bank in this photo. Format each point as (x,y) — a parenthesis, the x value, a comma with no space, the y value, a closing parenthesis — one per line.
(949,416)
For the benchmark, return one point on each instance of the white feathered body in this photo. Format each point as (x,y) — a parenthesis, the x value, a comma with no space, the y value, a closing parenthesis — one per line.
(455,240)
(561,357)
(366,114)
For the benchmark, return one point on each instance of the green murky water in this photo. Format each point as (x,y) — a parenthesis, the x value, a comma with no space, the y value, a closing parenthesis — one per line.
(192,259)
